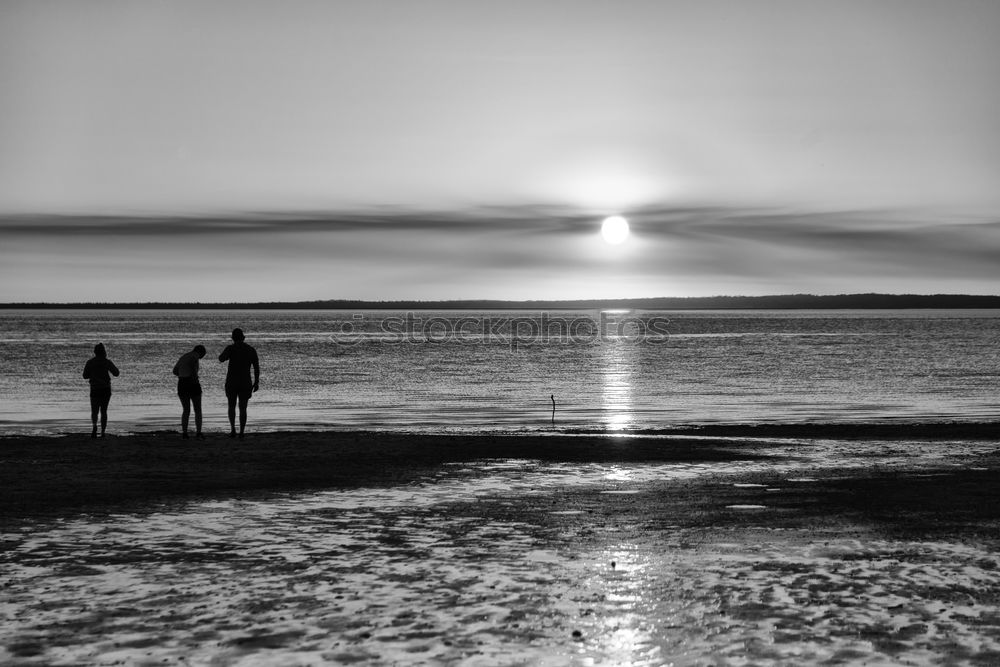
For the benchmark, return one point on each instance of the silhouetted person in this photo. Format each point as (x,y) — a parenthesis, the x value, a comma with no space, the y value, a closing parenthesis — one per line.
(99,371)
(241,358)
(189,389)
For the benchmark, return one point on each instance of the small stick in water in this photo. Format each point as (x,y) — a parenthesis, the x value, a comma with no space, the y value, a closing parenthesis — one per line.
(553,397)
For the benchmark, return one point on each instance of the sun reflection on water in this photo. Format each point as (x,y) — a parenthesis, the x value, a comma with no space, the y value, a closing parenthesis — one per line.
(616,390)
(619,474)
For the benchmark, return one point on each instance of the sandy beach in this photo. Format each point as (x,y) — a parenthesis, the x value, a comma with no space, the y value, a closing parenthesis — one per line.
(866,544)
(42,474)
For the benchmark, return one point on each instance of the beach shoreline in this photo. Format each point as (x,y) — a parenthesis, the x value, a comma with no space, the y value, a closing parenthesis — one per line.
(53,474)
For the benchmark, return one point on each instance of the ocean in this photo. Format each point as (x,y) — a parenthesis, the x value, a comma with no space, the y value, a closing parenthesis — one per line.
(465,371)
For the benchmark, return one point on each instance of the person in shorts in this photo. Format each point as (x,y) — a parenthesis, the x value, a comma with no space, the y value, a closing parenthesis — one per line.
(189,389)
(98,371)
(239,387)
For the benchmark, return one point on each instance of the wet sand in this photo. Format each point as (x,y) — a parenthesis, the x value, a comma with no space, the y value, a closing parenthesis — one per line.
(62,473)
(736,546)
(43,474)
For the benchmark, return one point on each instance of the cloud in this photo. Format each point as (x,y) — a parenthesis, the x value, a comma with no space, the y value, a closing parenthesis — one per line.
(501,252)
(876,240)
(483,219)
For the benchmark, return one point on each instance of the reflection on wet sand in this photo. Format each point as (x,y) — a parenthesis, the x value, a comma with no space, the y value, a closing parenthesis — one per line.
(482,564)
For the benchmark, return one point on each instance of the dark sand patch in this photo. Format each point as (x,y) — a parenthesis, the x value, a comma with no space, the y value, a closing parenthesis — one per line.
(52,474)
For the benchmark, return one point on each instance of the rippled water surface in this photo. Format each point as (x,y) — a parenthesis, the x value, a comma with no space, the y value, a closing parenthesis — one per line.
(476,371)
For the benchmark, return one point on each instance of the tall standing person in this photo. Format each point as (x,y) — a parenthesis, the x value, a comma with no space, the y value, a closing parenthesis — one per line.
(99,370)
(189,389)
(241,358)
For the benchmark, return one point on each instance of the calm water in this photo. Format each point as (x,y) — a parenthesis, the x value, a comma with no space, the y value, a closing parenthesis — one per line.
(450,370)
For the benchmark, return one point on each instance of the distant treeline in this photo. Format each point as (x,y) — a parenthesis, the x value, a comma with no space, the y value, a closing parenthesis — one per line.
(782,301)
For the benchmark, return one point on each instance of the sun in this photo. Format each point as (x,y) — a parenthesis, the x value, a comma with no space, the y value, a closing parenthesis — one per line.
(614,229)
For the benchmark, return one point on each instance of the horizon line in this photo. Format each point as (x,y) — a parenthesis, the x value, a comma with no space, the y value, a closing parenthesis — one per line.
(863,299)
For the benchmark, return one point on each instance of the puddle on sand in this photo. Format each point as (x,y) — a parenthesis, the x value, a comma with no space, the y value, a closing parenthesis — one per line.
(415,575)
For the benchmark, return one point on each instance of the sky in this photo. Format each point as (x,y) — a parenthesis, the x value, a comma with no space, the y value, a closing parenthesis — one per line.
(241,150)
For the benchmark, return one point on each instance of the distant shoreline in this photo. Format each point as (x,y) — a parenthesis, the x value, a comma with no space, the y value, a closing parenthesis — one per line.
(773,302)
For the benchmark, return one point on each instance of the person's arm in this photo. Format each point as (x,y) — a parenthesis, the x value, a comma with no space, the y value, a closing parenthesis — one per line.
(112,368)
(86,371)
(177,367)
(256,370)
(225,354)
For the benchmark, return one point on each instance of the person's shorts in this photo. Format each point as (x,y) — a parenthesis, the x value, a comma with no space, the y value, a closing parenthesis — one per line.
(240,390)
(188,387)
(100,395)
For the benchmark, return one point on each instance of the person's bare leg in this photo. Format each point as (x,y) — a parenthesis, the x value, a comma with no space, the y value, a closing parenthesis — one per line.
(196,400)
(185,415)
(243,415)
(104,414)
(232,416)
(95,408)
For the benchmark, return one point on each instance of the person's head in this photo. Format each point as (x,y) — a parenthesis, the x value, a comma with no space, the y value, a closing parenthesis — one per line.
(100,352)
(238,335)
(199,350)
